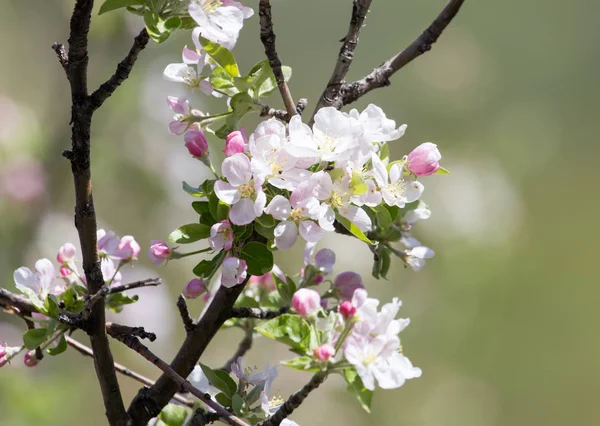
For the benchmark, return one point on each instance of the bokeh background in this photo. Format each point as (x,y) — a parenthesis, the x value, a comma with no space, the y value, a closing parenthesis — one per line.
(504,318)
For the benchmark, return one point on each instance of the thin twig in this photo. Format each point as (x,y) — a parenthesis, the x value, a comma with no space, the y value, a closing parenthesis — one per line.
(244,346)
(61,53)
(295,400)
(246,312)
(184,313)
(123,69)
(380,76)
(10,301)
(84,350)
(202,418)
(106,290)
(123,330)
(267,36)
(346,55)
(133,343)
(267,111)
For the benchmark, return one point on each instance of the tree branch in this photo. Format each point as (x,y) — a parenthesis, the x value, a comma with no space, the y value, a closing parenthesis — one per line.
(123,69)
(346,55)
(243,347)
(106,290)
(84,350)
(267,36)
(258,313)
(188,322)
(380,76)
(133,343)
(61,53)
(295,400)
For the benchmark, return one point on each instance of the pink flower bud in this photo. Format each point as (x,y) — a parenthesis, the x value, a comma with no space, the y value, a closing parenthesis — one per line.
(194,288)
(346,283)
(2,350)
(323,352)
(65,272)
(196,143)
(306,302)
(235,143)
(65,253)
(3,361)
(30,359)
(158,252)
(347,309)
(424,159)
(128,248)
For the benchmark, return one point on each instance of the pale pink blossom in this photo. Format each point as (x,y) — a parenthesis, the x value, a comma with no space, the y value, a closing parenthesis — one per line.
(306,302)
(347,283)
(128,248)
(233,271)
(194,288)
(30,359)
(196,143)
(110,274)
(263,281)
(66,253)
(323,352)
(41,283)
(158,252)
(235,143)
(221,236)
(395,190)
(424,160)
(181,108)
(108,242)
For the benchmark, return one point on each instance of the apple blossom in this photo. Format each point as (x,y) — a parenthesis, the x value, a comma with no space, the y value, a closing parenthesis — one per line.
(424,159)
(110,273)
(233,271)
(221,236)
(189,72)
(347,283)
(394,189)
(128,249)
(264,377)
(422,212)
(263,281)
(196,143)
(158,252)
(66,253)
(243,192)
(235,143)
(347,309)
(219,21)
(306,302)
(194,288)
(107,242)
(181,108)
(376,127)
(415,257)
(30,359)
(42,282)
(323,352)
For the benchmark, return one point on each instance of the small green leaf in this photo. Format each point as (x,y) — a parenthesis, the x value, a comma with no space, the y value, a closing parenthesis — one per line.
(384,153)
(190,233)
(51,306)
(116,301)
(353,229)
(172,23)
(304,363)
(270,84)
(258,258)
(263,231)
(33,298)
(34,337)
(218,209)
(355,385)
(237,403)
(442,171)
(266,220)
(207,268)
(223,399)
(194,192)
(221,56)
(358,184)
(385,260)
(201,207)
(382,217)
(60,348)
(173,415)
(188,23)
(291,330)
(242,233)
(241,104)
(220,379)
(110,5)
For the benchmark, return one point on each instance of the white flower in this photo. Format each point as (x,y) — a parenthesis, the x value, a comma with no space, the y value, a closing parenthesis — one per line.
(422,212)
(220,21)
(264,377)
(243,192)
(42,282)
(199,380)
(110,274)
(415,257)
(233,272)
(395,190)
(270,162)
(376,126)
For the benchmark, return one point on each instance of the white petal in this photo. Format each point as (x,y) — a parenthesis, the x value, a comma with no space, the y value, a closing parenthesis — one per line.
(260,202)
(286,234)
(414,190)
(237,169)
(25,279)
(379,171)
(310,231)
(242,212)
(226,192)
(46,273)
(177,72)
(357,216)
(279,208)
(327,218)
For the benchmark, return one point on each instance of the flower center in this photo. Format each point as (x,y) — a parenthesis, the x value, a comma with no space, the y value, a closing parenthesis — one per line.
(336,200)
(328,143)
(297,214)
(209,6)
(369,359)
(397,189)
(246,190)
(190,78)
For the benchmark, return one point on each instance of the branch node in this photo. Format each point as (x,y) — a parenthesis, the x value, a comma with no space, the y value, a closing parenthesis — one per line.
(61,53)
(188,322)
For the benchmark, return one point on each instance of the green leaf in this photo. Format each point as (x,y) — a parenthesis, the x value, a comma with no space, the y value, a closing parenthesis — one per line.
(266,220)
(291,330)
(33,298)
(173,415)
(303,363)
(385,152)
(110,5)
(223,399)
(393,211)
(382,217)
(353,229)
(201,207)
(51,306)
(222,81)
(442,171)
(34,337)
(207,268)
(172,23)
(270,84)
(254,395)
(263,231)
(153,26)
(355,385)
(385,261)
(258,258)
(286,289)
(237,403)
(220,379)
(188,23)
(218,209)
(222,56)
(241,104)
(242,233)
(358,184)
(116,301)
(190,233)
(194,192)
(60,348)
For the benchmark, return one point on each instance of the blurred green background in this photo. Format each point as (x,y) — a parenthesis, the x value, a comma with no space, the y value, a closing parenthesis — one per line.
(503,318)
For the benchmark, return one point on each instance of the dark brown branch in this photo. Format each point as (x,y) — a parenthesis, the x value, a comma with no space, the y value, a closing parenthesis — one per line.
(267,111)
(346,55)
(267,36)
(10,301)
(61,53)
(258,313)
(244,346)
(295,400)
(184,313)
(123,69)
(380,76)
(123,330)
(84,350)
(133,343)
(149,402)
(202,418)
